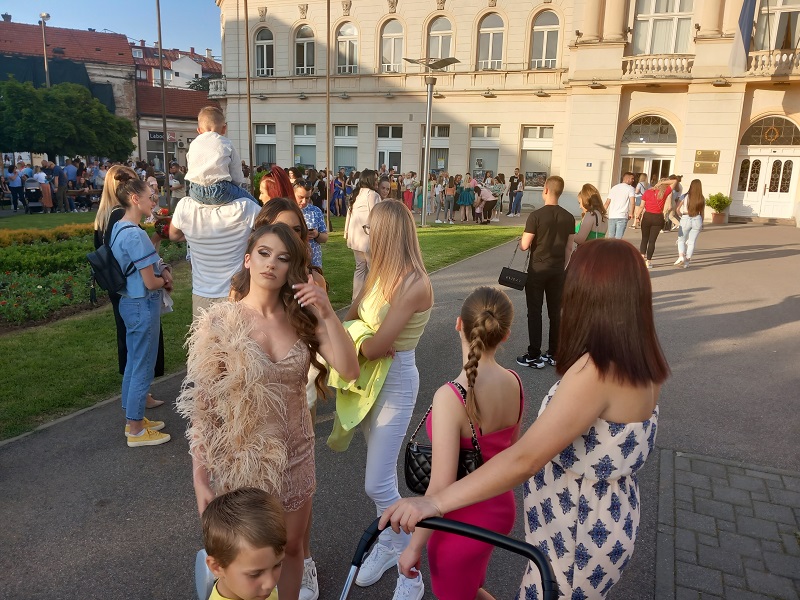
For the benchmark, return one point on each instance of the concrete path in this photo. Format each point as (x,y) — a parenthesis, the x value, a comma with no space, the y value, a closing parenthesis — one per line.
(85,516)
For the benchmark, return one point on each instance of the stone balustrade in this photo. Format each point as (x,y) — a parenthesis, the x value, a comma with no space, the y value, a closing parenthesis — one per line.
(657,65)
(217,88)
(774,62)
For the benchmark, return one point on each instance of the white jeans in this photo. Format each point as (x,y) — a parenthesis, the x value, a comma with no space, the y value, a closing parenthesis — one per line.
(687,236)
(385,428)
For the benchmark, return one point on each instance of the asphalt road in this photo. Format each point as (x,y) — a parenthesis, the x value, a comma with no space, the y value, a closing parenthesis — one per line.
(85,516)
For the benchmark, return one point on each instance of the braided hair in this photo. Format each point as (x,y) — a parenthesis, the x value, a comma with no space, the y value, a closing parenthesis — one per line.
(486,318)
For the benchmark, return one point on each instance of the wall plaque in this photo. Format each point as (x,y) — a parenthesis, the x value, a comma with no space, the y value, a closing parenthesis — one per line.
(706,167)
(706,155)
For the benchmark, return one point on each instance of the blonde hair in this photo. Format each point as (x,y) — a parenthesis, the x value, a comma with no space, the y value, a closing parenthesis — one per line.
(108,200)
(394,248)
(590,199)
(211,118)
(661,185)
(486,317)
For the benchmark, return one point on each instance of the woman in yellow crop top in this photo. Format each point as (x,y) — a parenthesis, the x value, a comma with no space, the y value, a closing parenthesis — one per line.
(396,302)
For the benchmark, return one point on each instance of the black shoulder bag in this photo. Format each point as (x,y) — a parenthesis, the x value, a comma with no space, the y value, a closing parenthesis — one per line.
(511,277)
(419,457)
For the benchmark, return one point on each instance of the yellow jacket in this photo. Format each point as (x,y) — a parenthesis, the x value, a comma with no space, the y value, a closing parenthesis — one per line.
(354,399)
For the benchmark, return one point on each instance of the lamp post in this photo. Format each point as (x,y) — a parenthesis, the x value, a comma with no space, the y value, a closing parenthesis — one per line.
(44,17)
(430,64)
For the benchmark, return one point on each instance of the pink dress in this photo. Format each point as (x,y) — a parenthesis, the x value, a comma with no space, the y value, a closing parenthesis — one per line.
(458,564)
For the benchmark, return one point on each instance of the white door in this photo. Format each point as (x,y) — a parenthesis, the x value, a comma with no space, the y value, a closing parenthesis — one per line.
(765,187)
(654,167)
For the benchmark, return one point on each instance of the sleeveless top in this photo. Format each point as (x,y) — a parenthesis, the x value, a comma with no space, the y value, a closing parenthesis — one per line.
(593,235)
(373,309)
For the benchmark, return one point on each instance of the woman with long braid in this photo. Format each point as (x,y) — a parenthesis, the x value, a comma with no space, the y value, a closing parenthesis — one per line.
(493,406)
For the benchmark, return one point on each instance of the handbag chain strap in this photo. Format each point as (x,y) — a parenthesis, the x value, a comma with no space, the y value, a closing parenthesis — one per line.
(513,256)
(463,392)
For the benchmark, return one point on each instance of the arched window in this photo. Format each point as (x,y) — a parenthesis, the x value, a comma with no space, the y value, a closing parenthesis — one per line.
(490,43)
(304,51)
(347,49)
(265,54)
(772,131)
(544,41)
(650,130)
(392,47)
(440,38)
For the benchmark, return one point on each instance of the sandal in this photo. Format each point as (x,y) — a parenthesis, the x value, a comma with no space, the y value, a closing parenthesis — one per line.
(152,402)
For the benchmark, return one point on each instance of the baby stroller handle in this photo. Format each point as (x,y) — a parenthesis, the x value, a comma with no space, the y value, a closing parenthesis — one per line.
(549,585)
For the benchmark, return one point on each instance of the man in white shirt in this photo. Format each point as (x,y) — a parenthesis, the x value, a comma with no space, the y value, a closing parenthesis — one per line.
(217,235)
(620,205)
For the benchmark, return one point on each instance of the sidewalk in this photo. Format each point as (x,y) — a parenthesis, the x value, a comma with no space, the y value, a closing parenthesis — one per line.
(85,515)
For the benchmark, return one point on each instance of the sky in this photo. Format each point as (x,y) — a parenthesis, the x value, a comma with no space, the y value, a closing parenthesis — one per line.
(184,23)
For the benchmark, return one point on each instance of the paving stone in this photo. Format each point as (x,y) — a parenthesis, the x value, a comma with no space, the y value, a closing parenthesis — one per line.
(687,557)
(719,481)
(685,539)
(699,578)
(687,506)
(694,480)
(744,511)
(732,495)
(785,497)
(774,512)
(765,530)
(701,493)
(708,540)
(683,492)
(682,593)
(775,483)
(783,565)
(743,482)
(762,474)
(700,523)
(791,483)
(714,508)
(732,593)
(733,581)
(753,563)
(735,470)
(770,584)
(791,545)
(722,560)
(741,544)
(709,468)
(682,463)
(771,546)
(786,528)
(760,496)
(725,525)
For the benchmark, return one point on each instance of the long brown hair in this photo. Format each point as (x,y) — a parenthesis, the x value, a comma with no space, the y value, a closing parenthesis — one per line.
(270,211)
(590,200)
(607,312)
(695,202)
(486,317)
(302,319)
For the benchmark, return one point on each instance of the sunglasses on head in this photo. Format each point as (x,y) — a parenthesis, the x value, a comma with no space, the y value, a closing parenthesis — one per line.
(302,183)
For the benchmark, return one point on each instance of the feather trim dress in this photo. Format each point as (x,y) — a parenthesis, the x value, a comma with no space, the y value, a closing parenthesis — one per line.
(249,424)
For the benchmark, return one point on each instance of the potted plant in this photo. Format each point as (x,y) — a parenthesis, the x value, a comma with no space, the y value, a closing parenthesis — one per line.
(719,203)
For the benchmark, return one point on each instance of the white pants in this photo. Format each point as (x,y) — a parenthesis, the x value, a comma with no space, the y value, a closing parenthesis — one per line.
(385,428)
(361,271)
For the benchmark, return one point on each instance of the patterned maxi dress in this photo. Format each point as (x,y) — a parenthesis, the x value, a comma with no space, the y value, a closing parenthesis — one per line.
(582,508)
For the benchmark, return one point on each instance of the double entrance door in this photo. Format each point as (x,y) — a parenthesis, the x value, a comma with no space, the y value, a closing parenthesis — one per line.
(765,185)
(654,168)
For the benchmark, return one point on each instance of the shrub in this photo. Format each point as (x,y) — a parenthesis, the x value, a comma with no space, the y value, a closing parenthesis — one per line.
(9,237)
(718,202)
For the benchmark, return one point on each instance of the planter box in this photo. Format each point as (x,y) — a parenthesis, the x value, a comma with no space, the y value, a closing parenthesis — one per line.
(719,218)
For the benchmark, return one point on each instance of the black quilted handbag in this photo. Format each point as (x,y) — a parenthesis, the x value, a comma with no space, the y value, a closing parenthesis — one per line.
(511,277)
(419,457)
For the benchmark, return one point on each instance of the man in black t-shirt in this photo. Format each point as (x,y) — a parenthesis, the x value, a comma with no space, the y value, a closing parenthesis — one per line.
(549,233)
(513,182)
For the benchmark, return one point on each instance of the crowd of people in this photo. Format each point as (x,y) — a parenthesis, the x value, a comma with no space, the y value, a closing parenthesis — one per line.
(265,345)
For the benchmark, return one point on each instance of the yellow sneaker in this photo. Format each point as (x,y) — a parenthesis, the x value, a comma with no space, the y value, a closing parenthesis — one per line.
(148,438)
(147,424)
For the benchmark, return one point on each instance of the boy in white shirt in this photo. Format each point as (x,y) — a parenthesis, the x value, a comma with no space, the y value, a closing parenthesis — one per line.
(214,166)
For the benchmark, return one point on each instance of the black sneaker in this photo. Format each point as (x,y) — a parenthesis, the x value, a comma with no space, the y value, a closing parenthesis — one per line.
(549,359)
(534,363)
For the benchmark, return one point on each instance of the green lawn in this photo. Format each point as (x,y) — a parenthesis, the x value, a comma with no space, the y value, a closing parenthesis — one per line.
(40,221)
(57,368)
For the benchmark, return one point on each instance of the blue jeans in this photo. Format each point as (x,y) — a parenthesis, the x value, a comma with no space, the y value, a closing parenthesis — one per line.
(616,228)
(516,206)
(221,192)
(687,235)
(142,318)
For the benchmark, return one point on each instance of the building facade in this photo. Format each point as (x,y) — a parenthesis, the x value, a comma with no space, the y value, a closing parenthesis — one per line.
(585,89)
(181,67)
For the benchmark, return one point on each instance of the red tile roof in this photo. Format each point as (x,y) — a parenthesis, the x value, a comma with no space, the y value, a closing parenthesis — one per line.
(78,45)
(149,59)
(180,104)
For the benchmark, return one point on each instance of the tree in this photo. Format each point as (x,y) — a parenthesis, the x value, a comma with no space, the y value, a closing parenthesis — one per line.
(62,120)
(199,85)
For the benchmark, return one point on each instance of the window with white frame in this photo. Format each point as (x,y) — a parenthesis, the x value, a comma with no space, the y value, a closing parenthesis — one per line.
(347,49)
(536,155)
(392,47)
(157,76)
(304,51)
(484,149)
(137,53)
(778,25)
(490,43)
(345,147)
(440,38)
(265,54)
(439,146)
(265,143)
(141,74)
(305,145)
(662,26)
(544,40)
(390,132)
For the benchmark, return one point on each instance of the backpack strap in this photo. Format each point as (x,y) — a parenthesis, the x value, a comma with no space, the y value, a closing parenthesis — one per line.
(131,268)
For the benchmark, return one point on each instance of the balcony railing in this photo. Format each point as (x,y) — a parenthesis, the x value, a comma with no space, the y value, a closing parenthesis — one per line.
(347,69)
(304,70)
(265,72)
(217,88)
(490,65)
(657,65)
(390,68)
(774,62)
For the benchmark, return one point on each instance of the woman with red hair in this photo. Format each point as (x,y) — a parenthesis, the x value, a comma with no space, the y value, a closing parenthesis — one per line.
(275,184)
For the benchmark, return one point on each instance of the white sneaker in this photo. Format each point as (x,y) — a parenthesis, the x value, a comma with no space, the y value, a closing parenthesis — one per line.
(309,589)
(679,261)
(452,222)
(437,221)
(380,560)
(409,589)
(496,220)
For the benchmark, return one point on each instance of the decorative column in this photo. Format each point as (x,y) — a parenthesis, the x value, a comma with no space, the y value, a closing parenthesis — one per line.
(591,21)
(614,21)
(711,19)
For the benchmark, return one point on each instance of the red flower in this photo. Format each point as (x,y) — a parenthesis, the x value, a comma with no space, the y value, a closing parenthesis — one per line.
(54,290)
(3,303)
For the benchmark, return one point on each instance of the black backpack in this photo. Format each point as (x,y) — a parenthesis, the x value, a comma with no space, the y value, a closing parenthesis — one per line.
(105,268)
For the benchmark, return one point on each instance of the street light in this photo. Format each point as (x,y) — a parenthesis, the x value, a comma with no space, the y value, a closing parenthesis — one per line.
(430,64)
(44,18)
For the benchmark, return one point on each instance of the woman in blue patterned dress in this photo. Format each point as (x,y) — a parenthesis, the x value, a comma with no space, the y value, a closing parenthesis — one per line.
(466,196)
(595,429)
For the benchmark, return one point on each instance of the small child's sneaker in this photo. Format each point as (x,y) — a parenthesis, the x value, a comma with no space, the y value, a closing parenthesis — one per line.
(309,588)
